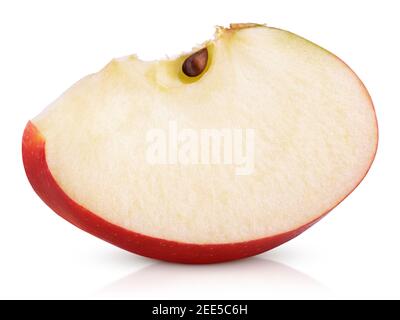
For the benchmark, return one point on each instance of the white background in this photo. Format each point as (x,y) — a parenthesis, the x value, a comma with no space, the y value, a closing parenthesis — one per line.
(45,46)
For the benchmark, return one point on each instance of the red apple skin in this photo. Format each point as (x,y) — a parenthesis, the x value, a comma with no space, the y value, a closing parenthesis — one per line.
(43,182)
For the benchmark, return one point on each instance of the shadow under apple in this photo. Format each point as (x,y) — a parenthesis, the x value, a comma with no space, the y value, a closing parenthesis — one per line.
(253,278)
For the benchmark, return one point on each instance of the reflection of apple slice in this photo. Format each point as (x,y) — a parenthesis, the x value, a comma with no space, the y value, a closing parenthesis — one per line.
(315,139)
(265,279)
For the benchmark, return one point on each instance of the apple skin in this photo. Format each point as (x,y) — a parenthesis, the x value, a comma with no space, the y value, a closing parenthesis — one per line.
(44,184)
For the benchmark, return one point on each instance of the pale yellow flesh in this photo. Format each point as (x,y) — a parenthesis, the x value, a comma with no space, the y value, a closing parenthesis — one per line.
(314,125)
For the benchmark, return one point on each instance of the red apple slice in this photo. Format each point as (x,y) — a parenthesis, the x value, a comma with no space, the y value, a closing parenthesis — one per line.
(312,121)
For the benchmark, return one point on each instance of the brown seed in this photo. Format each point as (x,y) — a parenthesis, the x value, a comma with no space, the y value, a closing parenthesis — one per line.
(196,63)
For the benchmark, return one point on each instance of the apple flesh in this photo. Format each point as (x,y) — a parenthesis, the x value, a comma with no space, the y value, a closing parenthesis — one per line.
(315,139)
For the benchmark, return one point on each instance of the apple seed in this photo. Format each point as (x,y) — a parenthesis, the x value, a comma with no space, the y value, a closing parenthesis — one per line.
(196,63)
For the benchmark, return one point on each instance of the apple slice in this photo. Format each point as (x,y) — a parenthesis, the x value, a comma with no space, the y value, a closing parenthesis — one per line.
(297,133)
